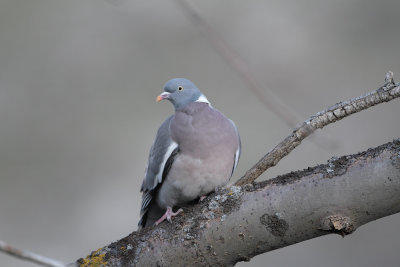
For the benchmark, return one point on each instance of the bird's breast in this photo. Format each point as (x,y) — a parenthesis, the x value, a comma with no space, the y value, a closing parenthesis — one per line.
(190,178)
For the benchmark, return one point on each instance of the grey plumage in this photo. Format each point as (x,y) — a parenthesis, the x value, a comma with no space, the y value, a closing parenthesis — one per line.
(195,150)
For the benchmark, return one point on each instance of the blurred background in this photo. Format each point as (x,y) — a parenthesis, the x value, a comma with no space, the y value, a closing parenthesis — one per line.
(78,81)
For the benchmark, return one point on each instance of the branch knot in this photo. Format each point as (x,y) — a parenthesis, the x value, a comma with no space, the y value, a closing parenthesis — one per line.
(338,224)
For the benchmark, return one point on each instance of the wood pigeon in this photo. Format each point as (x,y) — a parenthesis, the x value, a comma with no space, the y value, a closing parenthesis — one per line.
(195,151)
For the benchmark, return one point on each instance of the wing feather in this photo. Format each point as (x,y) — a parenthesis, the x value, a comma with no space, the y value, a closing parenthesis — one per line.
(239,148)
(162,154)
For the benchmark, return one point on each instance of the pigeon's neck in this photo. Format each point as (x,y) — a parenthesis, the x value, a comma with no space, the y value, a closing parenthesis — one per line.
(202,99)
(194,108)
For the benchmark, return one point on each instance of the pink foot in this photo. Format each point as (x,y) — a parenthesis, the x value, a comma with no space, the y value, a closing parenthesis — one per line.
(168,215)
(202,198)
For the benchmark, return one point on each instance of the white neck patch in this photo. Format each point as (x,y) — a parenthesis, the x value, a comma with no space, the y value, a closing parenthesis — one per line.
(203,99)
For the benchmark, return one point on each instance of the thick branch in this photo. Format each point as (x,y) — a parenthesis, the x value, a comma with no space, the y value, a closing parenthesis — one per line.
(237,223)
(387,92)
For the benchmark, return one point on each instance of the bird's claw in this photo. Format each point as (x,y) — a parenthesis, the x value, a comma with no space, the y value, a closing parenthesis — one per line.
(168,215)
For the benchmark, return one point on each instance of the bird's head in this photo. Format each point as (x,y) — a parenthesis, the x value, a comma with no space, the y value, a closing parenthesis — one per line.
(181,92)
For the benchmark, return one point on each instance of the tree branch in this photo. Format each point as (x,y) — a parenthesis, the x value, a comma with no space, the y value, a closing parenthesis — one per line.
(29,256)
(387,92)
(237,223)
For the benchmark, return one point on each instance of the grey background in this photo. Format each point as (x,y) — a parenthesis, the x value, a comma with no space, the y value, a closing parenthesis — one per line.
(78,81)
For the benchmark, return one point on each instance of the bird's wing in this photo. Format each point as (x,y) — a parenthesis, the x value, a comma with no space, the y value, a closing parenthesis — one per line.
(239,148)
(161,156)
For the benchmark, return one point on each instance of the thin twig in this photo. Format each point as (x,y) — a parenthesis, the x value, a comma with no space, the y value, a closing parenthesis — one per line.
(29,256)
(387,92)
(238,64)
(272,102)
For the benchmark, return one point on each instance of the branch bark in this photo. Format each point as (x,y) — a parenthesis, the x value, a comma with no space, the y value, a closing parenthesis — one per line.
(237,223)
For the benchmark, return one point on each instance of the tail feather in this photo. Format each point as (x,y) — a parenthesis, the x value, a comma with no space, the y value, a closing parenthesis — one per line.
(149,217)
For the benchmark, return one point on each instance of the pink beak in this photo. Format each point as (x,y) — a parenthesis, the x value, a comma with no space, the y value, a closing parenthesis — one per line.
(162,96)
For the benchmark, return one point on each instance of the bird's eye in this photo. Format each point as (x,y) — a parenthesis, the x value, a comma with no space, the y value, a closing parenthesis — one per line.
(180,88)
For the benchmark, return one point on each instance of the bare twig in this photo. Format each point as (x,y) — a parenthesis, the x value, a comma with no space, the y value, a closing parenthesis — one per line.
(29,256)
(272,102)
(387,92)
(238,64)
